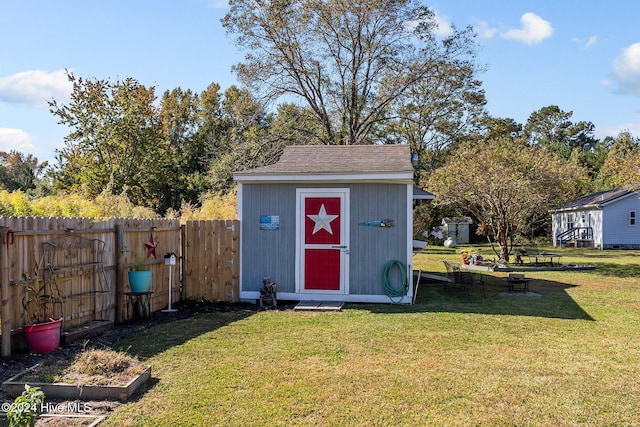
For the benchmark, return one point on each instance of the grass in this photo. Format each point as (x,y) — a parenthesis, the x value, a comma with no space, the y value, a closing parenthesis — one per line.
(569,357)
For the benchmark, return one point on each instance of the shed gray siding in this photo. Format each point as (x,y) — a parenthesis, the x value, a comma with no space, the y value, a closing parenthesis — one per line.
(272,252)
(371,248)
(268,252)
(458,232)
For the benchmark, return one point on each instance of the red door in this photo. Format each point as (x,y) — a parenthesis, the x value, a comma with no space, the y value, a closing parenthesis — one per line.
(323,236)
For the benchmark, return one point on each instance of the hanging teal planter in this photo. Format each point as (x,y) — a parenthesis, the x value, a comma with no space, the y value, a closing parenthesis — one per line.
(140,281)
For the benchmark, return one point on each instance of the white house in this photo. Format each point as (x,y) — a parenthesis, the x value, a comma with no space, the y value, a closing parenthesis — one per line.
(606,220)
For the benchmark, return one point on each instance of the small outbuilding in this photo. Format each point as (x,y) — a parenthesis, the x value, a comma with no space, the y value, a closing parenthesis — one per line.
(329,223)
(606,220)
(457,228)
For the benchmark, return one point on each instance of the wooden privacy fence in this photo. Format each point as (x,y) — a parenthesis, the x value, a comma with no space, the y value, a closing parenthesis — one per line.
(212,260)
(88,260)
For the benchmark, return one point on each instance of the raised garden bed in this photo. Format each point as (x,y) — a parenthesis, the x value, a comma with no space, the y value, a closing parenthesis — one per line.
(533,267)
(15,385)
(508,268)
(94,375)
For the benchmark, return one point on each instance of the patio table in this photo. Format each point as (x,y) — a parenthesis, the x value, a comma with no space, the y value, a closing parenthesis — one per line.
(517,281)
(552,259)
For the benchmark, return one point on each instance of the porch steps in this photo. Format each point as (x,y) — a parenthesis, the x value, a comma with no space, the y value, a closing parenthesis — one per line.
(319,306)
(578,243)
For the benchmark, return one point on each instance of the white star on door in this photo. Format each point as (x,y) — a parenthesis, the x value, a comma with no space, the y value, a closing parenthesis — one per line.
(322,220)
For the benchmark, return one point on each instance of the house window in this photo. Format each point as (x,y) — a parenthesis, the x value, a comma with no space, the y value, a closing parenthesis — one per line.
(570,219)
(632,218)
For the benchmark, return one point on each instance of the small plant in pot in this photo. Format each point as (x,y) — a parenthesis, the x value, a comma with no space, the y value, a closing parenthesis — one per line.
(139,276)
(43,329)
(471,255)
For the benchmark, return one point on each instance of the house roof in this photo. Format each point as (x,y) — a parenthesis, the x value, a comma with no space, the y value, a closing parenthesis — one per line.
(323,162)
(595,200)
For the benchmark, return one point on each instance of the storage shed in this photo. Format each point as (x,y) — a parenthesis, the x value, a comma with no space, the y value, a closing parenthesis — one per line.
(329,223)
(457,228)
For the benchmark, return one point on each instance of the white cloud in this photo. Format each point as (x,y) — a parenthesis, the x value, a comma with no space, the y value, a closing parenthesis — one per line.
(534,29)
(218,4)
(614,131)
(590,41)
(626,70)
(444,26)
(484,31)
(17,139)
(35,87)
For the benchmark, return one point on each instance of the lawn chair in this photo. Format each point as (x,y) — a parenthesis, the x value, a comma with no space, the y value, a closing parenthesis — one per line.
(453,275)
(464,280)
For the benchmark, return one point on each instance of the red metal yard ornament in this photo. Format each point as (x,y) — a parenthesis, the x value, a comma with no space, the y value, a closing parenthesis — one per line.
(151,246)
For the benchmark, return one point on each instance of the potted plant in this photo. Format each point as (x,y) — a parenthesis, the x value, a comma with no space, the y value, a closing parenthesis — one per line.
(466,256)
(139,276)
(471,256)
(42,331)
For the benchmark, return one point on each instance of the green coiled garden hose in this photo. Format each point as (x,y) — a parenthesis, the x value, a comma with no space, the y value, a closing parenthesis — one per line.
(394,293)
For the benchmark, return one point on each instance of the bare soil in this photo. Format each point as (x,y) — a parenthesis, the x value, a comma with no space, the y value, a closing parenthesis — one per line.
(18,362)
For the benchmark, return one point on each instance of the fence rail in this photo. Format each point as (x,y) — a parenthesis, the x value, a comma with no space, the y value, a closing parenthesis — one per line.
(95,289)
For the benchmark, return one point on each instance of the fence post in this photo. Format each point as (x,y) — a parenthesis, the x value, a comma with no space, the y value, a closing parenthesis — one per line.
(183,234)
(120,248)
(5,292)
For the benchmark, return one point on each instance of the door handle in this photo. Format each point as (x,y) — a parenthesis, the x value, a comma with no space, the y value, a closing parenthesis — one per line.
(343,248)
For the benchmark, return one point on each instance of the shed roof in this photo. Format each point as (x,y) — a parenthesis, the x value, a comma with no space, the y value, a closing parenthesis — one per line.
(595,200)
(456,220)
(336,161)
(420,194)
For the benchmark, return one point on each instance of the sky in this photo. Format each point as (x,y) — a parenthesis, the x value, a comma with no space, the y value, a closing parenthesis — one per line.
(581,55)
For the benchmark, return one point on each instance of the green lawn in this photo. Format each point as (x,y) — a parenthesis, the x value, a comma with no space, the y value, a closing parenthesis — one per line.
(568,357)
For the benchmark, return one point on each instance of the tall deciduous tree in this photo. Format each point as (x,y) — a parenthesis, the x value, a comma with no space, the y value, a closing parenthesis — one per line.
(497,127)
(115,140)
(241,139)
(437,112)
(349,61)
(19,171)
(186,118)
(622,165)
(504,184)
